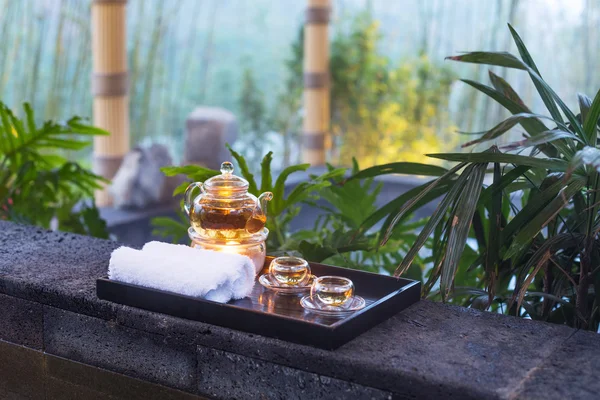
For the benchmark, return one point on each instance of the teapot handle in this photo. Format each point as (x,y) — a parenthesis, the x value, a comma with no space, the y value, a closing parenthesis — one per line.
(187,197)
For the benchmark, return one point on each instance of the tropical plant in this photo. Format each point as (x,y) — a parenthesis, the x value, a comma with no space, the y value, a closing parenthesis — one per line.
(527,243)
(281,210)
(37,184)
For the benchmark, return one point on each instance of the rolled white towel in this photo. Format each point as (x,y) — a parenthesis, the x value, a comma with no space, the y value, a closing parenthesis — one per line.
(181,269)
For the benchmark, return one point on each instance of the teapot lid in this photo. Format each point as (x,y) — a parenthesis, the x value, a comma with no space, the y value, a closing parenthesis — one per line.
(226,181)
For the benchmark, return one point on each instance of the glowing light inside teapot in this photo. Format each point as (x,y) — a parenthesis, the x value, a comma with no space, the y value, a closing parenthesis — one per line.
(224,215)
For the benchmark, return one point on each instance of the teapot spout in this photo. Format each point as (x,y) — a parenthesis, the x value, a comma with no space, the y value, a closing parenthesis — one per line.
(262,202)
(259,217)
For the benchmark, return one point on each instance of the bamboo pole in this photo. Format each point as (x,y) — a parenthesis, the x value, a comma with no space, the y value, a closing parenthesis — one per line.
(110,86)
(316,82)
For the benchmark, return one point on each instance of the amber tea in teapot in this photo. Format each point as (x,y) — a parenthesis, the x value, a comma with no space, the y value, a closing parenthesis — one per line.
(225,218)
(224,208)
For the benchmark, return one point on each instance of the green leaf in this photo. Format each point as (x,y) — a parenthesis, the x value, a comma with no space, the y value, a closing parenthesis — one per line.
(353,202)
(8,133)
(532,126)
(532,68)
(334,174)
(355,167)
(503,127)
(542,218)
(399,201)
(303,190)
(434,220)
(537,201)
(574,122)
(504,87)
(551,164)
(30,117)
(492,252)
(185,170)
(459,229)
(411,203)
(18,126)
(500,59)
(266,181)
(318,252)
(408,168)
(549,97)
(180,189)
(590,122)
(279,188)
(500,184)
(245,171)
(83,129)
(584,105)
(542,138)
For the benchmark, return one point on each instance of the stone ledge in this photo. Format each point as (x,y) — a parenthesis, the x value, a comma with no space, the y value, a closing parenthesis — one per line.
(430,350)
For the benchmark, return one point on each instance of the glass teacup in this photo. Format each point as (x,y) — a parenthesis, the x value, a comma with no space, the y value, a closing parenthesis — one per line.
(290,271)
(332,290)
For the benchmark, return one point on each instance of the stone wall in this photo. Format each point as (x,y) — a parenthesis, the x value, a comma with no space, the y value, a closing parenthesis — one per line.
(57,337)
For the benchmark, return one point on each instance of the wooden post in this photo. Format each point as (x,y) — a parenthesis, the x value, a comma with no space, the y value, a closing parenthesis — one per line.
(316,82)
(110,88)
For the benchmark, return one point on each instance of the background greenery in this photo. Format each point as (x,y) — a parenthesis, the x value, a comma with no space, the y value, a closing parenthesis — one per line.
(187,53)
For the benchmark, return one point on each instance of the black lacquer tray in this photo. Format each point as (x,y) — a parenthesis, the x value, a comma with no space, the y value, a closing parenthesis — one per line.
(280,316)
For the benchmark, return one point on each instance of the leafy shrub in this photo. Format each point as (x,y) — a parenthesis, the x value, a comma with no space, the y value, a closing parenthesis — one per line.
(527,244)
(37,184)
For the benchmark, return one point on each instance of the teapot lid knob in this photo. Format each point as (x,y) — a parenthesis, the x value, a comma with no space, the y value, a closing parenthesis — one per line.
(227,168)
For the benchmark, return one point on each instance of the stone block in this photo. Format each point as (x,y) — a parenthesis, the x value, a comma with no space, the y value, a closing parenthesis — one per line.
(21,322)
(225,375)
(208,129)
(73,380)
(54,268)
(127,351)
(21,372)
(570,372)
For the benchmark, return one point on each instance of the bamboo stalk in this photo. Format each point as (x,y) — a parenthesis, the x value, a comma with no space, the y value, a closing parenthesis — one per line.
(316,82)
(111,101)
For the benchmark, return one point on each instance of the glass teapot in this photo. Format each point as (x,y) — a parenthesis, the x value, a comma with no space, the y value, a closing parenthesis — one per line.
(224,208)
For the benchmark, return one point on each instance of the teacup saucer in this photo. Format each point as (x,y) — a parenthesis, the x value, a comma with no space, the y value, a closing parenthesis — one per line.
(268,281)
(354,304)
